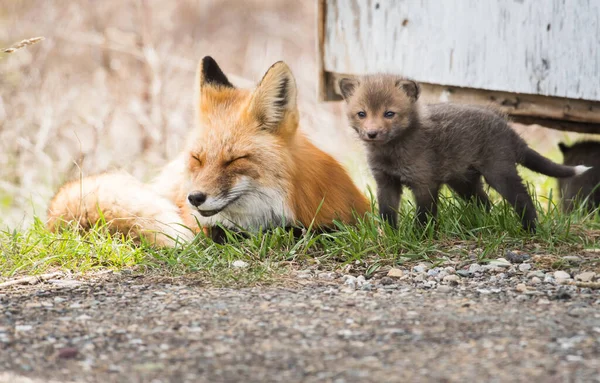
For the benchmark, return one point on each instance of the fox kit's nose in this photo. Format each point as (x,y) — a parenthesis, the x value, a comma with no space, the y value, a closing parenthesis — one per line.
(196,198)
(372,134)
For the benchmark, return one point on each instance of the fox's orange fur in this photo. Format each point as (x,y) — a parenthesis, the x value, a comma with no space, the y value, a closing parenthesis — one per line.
(245,165)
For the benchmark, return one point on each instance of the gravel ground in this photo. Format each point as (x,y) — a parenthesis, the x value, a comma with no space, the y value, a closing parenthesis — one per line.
(505,322)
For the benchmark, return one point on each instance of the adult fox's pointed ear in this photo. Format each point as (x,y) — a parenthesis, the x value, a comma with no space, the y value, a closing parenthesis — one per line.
(348,86)
(275,97)
(209,73)
(410,87)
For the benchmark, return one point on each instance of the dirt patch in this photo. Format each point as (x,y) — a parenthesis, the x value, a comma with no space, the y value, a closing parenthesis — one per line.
(327,328)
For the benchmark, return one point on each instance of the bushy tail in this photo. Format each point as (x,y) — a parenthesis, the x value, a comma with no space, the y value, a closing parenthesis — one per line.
(538,163)
(127,205)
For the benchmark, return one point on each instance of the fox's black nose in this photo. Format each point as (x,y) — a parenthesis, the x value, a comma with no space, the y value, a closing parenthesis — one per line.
(372,134)
(196,198)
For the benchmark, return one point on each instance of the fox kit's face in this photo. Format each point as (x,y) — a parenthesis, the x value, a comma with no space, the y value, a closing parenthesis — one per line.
(237,164)
(379,108)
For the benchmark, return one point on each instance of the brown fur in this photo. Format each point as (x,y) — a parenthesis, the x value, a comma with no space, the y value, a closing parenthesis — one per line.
(585,186)
(425,146)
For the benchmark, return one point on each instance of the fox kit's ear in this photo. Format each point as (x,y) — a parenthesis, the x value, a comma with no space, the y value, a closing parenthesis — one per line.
(274,97)
(348,86)
(411,88)
(563,147)
(209,73)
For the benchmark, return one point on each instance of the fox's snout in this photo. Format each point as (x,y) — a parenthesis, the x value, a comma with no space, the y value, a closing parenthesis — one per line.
(196,198)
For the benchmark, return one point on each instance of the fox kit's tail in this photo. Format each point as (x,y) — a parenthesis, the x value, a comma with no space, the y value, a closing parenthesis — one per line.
(127,205)
(538,163)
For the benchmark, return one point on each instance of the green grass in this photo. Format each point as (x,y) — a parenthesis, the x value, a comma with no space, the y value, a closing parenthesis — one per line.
(465,232)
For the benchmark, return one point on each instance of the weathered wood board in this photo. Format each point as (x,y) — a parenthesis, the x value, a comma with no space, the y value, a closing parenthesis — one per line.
(548,48)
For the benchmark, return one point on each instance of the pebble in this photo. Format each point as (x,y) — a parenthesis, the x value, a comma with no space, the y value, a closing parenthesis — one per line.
(536,281)
(240,264)
(572,259)
(444,288)
(524,267)
(395,273)
(450,270)
(68,352)
(433,272)
(475,268)
(587,276)
(419,269)
(513,257)
(350,281)
(441,275)
(367,287)
(500,262)
(521,287)
(451,279)
(561,275)
(327,276)
(536,273)
(549,279)
(464,273)
(387,281)
(23,328)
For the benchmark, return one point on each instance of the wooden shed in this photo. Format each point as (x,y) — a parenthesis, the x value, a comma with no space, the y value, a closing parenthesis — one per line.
(537,60)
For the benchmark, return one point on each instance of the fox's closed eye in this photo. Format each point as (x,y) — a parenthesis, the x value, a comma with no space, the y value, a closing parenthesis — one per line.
(389,114)
(197,159)
(246,156)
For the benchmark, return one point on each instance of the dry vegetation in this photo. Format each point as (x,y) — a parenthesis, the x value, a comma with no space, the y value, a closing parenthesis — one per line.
(111,85)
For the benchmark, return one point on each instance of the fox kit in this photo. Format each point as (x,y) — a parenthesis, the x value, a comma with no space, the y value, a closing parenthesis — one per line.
(425,146)
(246,166)
(586,185)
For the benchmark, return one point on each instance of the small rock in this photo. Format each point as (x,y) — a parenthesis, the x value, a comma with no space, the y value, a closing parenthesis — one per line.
(387,281)
(521,287)
(420,268)
(450,270)
(549,279)
(433,272)
(536,273)
(367,287)
(587,276)
(240,264)
(561,275)
(535,281)
(572,259)
(513,257)
(59,299)
(475,268)
(451,279)
(327,276)
(68,353)
(23,328)
(464,273)
(395,273)
(444,288)
(523,267)
(441,275)
(500,262)
(351,282)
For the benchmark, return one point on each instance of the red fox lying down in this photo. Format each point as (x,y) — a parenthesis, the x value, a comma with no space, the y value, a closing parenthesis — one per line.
(246,165)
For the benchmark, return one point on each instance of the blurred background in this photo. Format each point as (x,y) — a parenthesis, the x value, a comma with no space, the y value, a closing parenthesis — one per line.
(112,84)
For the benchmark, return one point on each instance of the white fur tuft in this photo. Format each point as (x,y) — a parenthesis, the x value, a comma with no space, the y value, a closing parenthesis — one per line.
(580,169)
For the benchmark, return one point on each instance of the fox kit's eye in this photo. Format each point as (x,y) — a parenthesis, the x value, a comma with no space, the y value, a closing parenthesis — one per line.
(389,114)
(197,159)
(361,114)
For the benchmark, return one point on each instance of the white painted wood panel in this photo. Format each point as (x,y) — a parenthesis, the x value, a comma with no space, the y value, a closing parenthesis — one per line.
(545,47)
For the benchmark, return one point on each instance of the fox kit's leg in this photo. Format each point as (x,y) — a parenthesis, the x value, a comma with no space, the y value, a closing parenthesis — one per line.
(507,182)
(471,188)
(426,199)
(389,190)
